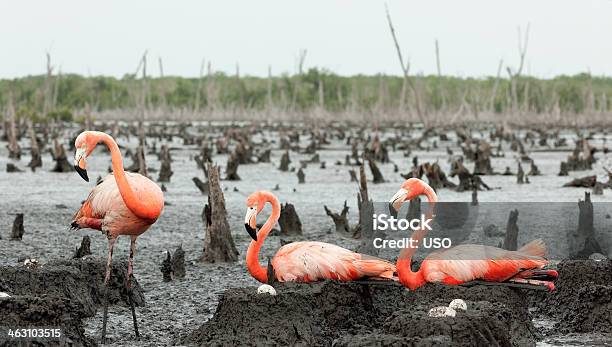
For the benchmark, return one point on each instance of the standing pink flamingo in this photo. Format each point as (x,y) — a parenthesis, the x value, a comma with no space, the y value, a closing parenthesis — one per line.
(467,262)
(122,204)
(306,261)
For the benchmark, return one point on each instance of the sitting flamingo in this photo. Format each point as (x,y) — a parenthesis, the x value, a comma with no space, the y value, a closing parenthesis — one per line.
(467,262)
(122,204)
(306,261)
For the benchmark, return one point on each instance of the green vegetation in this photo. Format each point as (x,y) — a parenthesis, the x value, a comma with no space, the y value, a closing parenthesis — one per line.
(61,95)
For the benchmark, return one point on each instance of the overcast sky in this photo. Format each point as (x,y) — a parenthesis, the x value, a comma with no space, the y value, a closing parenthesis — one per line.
(348,37)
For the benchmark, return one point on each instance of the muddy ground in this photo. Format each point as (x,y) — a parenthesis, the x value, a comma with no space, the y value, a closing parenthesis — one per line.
(176,309)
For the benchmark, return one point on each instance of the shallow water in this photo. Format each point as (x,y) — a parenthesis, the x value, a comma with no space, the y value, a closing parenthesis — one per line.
(50,199)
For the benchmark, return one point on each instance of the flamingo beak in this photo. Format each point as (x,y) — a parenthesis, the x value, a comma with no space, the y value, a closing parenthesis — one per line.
(250,223)
(79,163)
(396,201)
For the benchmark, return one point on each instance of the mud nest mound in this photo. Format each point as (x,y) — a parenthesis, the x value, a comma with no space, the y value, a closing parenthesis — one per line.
(583,299)
(60,294)
(79,280)
(45,311)
(352,314)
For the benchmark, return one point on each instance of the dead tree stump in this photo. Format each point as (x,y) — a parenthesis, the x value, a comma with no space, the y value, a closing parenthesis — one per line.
(36,160)
(178,262)
(534,170)
(83,249)
(166,268)
(301,176)
(584,182)
(598,188)
(59,156)
(511,238)
(289,221)
(10,167)
(284,164)
(202,186)
(482,159)
(165,171)
(464,175)
(563,170)
(218,242)
(264,156)
(142,165)
(231,169)
(520,174)
(582,242)
(340,220)
(364,229)
(18,230)
(377,176)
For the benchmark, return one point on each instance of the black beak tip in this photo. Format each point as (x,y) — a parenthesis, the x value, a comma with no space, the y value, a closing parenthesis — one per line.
(252,232)
(82,173)
(392,210)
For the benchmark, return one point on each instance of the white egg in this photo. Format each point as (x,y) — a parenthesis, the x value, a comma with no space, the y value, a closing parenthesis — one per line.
(458,304)
(266,288)
(31,263)
(4,295)
(442,311)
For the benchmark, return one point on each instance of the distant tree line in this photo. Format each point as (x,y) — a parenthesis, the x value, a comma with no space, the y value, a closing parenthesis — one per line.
(60,96)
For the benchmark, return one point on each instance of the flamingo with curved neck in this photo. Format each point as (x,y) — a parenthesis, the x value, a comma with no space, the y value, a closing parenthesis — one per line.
(306,261)
(467,262)
(122,204)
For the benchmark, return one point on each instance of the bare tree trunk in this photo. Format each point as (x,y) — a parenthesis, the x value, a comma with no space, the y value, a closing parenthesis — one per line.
(218,242)
(196,103)
(440,85)
(296,85)
(408,81)
(522,47)
(495,86)
(269,101)
(13,144)
(36,160)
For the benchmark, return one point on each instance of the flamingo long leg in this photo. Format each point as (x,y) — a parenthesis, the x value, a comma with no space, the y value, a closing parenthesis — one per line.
(109,263)
(547,284)
(538,274)
(129,284)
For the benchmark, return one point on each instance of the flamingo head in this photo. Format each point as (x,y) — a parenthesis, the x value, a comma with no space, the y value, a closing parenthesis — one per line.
(84,144)
(409,190)
(255,203)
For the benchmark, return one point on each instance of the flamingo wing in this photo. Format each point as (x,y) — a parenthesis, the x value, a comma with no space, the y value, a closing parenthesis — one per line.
(469,262)
(105,209)
(93,210)
(313,261)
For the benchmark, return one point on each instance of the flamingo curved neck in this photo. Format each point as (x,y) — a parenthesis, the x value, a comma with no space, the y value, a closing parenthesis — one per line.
(406,276)
(140,208)
(256,270)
